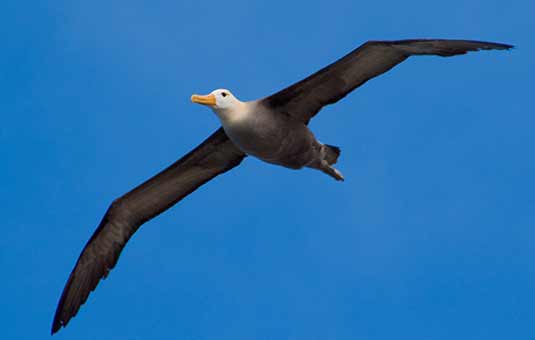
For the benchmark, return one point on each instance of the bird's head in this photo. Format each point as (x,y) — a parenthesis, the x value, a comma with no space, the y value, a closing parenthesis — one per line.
(227,107)
(219,100)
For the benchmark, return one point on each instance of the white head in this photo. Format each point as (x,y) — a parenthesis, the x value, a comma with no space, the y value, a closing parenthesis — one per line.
(222,101)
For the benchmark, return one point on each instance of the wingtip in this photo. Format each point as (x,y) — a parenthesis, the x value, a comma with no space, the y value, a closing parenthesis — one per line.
(501,46)
(56,326)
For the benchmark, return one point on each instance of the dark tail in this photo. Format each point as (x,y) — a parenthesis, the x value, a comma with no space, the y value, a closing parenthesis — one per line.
(331,153)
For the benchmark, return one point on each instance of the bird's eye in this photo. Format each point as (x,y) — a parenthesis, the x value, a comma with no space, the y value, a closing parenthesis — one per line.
(224,94)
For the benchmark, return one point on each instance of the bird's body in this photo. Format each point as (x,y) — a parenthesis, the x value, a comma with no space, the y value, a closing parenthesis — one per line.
(274,129)
(274,137)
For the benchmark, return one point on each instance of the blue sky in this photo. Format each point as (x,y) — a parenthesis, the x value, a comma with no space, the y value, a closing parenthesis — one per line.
(430,236)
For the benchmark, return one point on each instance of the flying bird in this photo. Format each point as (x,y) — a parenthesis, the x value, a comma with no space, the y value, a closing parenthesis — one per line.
(273,129)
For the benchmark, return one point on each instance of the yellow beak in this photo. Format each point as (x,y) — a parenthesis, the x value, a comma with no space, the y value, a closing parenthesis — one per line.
(204,100)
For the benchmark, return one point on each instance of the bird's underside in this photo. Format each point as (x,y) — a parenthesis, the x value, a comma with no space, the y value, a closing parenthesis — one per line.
(218,154)
(279,139)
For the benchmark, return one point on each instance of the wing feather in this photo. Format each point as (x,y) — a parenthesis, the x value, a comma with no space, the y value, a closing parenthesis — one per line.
(214,156)
(306,98)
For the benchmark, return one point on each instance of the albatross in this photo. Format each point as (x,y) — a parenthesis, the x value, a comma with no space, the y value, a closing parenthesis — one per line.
(273,129)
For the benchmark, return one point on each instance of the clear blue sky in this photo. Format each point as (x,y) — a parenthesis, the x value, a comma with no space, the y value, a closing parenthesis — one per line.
(431,236)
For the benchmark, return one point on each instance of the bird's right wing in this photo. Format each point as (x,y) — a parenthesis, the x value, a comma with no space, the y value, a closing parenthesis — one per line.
(214,156)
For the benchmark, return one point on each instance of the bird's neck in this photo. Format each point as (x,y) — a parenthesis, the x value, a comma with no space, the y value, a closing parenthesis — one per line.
(238,112)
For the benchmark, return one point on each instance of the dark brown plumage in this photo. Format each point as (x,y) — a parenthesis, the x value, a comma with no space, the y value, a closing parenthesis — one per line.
(304,99)
(218,154)
(214,156)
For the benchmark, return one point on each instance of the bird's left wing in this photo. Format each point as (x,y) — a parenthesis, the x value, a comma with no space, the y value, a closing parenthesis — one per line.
(304,99)
(214,156)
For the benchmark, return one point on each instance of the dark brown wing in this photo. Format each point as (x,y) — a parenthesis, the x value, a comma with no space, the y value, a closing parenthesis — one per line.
(214,156)
(306,98)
